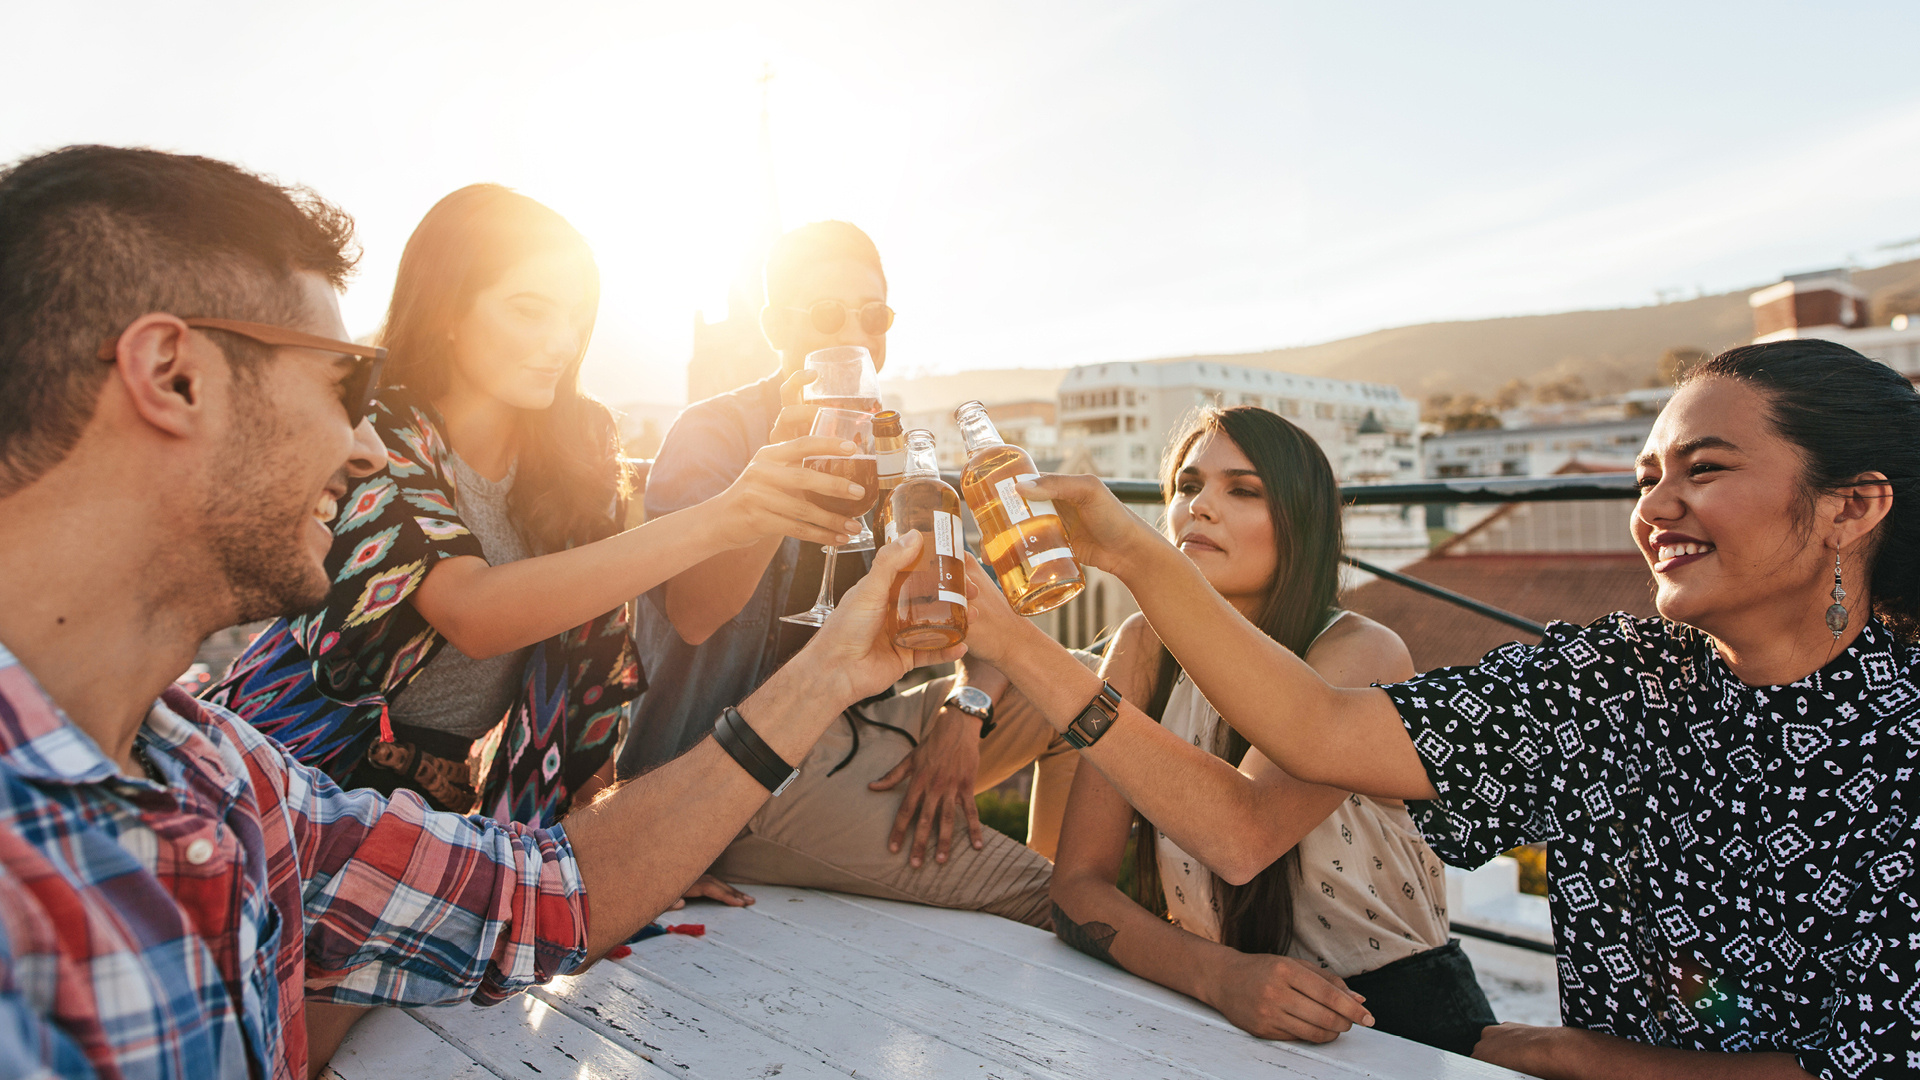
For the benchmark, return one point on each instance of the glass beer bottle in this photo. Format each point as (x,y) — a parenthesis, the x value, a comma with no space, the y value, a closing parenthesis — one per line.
(1025,541)
(929,600)
(890,454)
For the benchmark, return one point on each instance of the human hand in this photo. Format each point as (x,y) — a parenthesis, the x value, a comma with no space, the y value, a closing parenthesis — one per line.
(854,652)
(796,413)
(1103,532)
(1278,997)
(992,627)
(708,887)
(940,774)
(769,498)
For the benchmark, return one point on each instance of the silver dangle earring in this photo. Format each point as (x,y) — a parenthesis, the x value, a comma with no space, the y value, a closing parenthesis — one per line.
(1837,614)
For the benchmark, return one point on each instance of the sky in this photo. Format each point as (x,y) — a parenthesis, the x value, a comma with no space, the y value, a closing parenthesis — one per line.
(1048,183)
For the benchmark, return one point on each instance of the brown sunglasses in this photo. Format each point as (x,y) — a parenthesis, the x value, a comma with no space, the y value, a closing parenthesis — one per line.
(356,393)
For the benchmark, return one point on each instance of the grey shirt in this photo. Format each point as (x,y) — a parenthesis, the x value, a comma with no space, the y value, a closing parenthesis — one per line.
(456,693)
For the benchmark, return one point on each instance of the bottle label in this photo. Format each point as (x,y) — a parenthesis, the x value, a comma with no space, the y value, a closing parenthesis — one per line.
(946,533)
(1036,507)
(1050,555)
(892,463)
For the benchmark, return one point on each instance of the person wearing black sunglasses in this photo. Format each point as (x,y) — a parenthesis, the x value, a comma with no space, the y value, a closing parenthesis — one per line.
(884,805)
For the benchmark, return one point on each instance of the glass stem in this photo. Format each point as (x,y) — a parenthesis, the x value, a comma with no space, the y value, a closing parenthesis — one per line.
(824,602)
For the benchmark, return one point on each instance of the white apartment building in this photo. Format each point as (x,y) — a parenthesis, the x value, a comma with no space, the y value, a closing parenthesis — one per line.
(1121,415)
(1826,304)
(1535,451)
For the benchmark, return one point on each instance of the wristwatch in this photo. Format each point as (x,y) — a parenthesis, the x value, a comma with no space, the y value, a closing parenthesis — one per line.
(976,703)
(1096,718)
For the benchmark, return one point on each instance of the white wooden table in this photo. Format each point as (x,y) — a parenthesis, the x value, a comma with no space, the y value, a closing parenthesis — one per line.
(816,984)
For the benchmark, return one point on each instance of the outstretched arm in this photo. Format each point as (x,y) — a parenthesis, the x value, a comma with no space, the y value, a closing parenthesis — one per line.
(488,610)
(640,846)
(1350,739)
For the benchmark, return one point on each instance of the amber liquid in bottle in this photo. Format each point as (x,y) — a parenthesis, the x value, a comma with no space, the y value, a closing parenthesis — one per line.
(929,601)
(1025,541)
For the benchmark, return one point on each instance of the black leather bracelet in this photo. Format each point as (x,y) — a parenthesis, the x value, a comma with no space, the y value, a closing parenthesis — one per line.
(745,746)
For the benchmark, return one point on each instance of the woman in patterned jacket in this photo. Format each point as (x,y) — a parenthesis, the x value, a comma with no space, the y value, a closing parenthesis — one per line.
(1727,790)
(484,574)
(1288,888)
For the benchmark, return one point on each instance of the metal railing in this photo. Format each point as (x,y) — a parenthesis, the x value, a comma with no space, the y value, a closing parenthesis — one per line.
(1474,490)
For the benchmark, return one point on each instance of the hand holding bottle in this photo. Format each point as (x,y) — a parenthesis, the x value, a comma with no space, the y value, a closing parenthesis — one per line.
(1102,531)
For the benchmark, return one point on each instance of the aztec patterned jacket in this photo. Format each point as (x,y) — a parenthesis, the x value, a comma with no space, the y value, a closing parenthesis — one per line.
(320,682)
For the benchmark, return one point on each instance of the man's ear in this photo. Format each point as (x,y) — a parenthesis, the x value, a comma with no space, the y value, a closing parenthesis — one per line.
(777,325)
(166,377)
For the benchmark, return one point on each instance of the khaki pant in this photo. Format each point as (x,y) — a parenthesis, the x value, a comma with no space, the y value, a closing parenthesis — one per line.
(830,832)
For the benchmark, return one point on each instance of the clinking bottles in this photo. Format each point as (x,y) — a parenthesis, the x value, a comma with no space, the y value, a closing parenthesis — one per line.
(929,600)
(1024,541)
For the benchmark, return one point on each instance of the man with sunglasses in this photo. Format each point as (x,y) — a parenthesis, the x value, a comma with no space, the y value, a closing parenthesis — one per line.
(884,805)
(180,414)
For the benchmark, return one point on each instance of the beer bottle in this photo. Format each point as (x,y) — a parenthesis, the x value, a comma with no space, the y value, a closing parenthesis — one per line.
(929,599)
(1025,541)
(890,450)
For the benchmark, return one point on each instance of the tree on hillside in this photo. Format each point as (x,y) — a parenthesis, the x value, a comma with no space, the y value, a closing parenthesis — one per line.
(1675,363)
(1460,412)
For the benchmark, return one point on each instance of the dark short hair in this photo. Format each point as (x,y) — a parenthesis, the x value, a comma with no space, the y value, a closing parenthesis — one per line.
(93,237)
(811,245)
(1846,415)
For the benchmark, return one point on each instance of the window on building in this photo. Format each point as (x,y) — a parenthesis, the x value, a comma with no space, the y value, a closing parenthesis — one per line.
(1138,452)
(1250,399)
(1286,406)
(1323,410)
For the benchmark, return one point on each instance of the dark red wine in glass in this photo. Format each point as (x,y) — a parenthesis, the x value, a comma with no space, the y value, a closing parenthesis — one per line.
(862,469)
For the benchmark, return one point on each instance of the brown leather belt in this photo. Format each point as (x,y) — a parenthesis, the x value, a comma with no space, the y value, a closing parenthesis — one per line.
(450,782)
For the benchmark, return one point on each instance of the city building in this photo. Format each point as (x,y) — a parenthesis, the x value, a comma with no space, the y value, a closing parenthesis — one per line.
(1028,424)
(1123,414)
(1827,305)
(1535,451)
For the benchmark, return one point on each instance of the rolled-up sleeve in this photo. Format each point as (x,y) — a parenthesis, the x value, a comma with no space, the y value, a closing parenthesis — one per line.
(409,906)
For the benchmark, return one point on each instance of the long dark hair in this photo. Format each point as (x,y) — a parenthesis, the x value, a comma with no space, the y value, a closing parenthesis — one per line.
(1303,502)
(571,476)
(1846,415)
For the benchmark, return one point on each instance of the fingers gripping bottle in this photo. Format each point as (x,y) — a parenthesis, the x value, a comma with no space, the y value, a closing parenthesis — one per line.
(890,452)
(1025,541)
(929,599)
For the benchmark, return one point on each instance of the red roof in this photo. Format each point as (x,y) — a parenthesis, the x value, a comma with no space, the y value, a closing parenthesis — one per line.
(1573,588)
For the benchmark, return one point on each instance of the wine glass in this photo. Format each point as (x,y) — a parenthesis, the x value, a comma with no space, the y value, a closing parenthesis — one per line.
(862,468)
(843,378)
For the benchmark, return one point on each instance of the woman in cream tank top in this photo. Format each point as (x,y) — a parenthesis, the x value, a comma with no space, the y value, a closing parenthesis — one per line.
(1295,909)
(1371,892)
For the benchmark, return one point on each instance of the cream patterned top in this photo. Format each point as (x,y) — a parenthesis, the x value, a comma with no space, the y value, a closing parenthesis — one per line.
(1370,892)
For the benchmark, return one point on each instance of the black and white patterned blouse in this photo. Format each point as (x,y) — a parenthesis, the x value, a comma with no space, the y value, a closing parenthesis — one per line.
(1731,866)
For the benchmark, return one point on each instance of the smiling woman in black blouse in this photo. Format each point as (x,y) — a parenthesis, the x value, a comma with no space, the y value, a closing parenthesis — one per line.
(1728,789)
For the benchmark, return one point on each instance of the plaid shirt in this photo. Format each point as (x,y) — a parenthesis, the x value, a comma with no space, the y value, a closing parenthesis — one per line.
(178,931)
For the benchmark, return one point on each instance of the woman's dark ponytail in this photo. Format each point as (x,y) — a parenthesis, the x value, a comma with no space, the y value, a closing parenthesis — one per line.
(1847,415)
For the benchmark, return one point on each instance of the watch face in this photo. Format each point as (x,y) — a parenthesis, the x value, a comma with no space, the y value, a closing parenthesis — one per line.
(973,699)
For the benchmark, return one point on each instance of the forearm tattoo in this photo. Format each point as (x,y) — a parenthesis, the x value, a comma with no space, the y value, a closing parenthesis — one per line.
(1095,939)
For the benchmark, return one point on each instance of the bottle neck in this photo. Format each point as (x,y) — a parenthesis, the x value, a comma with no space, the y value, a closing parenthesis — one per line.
(977,429)
(922,460)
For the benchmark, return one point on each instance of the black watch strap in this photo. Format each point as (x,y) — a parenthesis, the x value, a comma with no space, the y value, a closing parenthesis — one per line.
(745,746)
(1096,718)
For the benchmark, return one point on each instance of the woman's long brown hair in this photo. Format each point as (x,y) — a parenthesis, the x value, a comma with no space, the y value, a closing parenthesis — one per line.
(571,476)
(1303,501)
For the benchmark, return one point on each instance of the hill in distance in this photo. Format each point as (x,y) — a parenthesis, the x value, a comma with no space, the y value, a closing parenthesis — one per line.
(1611,349)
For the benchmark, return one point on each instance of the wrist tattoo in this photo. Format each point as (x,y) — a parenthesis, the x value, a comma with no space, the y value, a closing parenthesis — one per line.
(1095,938)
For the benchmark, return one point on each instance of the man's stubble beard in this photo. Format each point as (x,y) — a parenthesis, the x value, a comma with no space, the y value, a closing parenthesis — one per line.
(261,547)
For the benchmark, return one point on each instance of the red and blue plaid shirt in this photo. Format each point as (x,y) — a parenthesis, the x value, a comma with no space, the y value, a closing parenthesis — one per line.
(177,931)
